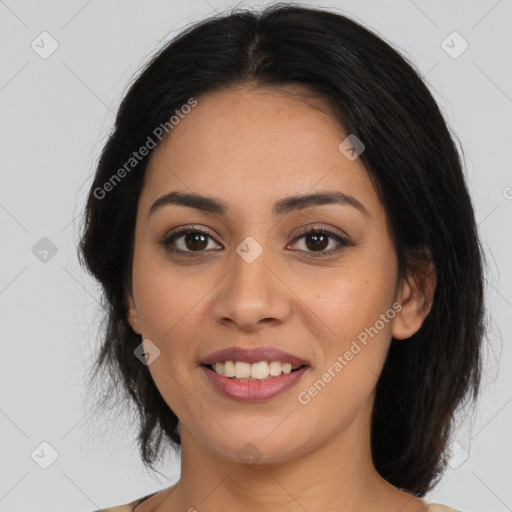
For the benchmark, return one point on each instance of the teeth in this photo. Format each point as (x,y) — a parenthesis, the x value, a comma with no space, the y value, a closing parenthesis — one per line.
(286,367)
(275,368)
(221,370)
(228,368)
(261,370)
(242,370)
(258,370)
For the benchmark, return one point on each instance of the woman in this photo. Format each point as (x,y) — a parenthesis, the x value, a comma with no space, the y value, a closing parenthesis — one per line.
(291,267)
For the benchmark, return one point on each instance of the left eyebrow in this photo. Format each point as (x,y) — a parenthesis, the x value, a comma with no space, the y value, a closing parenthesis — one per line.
(280,208)
(292,203)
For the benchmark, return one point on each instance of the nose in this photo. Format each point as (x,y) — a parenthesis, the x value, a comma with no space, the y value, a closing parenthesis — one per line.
(251,295)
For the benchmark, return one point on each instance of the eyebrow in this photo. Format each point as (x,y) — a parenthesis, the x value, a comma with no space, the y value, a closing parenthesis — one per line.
(280,208)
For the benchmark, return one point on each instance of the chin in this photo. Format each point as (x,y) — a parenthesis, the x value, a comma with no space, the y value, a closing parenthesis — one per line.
(256,450)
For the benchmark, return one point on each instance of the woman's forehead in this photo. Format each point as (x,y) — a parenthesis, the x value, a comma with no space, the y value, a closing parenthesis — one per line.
(283,148)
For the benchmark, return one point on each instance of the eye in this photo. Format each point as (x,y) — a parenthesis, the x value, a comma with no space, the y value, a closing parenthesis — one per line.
(195,240)
(187,240)
(316,240)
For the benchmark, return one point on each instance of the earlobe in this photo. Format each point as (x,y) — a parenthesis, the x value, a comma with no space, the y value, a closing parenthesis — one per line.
(416,300)
(132,315)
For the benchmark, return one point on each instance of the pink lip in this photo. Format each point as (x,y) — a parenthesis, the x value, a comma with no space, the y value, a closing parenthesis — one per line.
(253,391)
(253,355)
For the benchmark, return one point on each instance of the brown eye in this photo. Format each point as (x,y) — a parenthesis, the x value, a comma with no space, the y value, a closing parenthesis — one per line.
(316,240)
(195,241)
(187,240)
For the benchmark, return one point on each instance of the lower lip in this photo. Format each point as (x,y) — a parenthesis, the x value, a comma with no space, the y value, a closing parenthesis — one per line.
(253,391)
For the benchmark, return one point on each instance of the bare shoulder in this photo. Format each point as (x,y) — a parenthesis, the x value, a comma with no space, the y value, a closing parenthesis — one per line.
(146,503)
(121,508)
(129,507)
(436,507)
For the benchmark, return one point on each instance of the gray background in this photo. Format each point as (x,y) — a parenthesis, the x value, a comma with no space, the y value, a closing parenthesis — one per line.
(55,115)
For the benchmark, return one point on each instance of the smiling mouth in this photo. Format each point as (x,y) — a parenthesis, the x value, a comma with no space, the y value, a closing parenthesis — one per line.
(246,372)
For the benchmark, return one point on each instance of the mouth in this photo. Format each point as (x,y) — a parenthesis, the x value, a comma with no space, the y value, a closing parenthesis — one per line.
(243,387)
(248,372)
(253,374)
(266,358)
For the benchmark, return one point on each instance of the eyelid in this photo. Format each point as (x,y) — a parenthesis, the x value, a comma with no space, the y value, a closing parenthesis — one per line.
(184,229)
(322,227)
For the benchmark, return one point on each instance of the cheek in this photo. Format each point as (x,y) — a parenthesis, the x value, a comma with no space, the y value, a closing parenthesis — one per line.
(165,296)
(351,302)
(357,309)
(354,352)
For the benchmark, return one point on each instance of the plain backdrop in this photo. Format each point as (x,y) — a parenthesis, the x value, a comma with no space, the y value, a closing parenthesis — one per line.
(56,110)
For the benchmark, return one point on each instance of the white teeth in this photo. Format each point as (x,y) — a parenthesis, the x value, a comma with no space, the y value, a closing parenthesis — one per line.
(228,368)
(275,368)
(286,367)
(261,370)
(242,370)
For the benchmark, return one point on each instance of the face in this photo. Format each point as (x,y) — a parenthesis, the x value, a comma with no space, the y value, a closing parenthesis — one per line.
(312,295)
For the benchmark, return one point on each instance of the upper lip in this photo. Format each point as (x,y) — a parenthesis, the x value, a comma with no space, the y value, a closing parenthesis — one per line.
(252,355)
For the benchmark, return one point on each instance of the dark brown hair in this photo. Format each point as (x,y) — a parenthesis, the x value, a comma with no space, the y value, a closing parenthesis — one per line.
(411,157)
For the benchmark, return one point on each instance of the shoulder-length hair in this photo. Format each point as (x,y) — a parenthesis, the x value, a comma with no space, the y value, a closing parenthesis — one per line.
(410,155)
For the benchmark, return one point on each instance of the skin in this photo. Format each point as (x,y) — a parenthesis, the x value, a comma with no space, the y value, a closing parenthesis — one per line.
(250,147)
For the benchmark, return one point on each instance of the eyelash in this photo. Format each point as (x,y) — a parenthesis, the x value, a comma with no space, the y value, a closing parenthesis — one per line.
(169,238)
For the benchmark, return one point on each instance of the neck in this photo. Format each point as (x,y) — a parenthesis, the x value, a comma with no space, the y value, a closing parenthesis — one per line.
(338,474)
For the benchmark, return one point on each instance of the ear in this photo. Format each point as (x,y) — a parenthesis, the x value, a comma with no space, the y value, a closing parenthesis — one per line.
(132,315)
(416,297)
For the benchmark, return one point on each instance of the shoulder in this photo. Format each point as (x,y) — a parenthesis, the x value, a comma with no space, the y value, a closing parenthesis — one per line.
(436,507)
(121,508)
(128,507)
